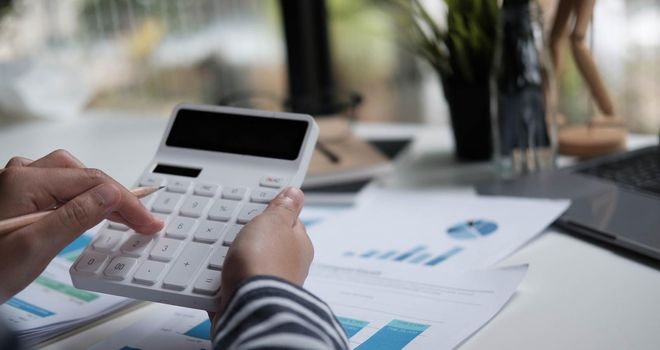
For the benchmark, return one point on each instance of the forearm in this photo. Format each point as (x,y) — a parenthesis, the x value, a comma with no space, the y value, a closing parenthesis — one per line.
(266,312)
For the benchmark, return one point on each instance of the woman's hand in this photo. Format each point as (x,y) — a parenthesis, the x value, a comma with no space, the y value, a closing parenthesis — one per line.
(84,197)
(274,243)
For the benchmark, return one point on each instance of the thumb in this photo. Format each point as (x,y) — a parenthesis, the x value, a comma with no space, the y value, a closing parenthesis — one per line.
(287,205)
(76,216)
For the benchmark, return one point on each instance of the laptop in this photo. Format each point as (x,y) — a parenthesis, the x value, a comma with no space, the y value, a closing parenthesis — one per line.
(615,198)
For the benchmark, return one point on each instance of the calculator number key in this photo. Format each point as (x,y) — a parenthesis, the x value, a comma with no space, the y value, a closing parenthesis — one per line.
(234,193)
(166,202)
(249,211)
(91,262)
(231,234)
(107,240)
(164,249)
(194,206)
(180,228)
(136,244)
(119,268)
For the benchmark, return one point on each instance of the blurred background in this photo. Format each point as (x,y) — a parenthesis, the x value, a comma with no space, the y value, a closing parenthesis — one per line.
(64,59)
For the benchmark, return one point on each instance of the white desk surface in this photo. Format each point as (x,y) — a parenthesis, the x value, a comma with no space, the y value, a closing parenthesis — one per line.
(577,294)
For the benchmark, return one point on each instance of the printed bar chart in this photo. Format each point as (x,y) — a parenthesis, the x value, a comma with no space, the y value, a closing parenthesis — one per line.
(27,307)
(437,260)
(394,336)
(351,326)
(71,291)
(74,248)
(416,255)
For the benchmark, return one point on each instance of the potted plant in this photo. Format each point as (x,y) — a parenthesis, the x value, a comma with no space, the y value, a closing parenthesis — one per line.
(460,45)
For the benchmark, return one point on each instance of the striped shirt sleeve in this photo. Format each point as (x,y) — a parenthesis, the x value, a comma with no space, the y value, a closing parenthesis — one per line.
(270,313)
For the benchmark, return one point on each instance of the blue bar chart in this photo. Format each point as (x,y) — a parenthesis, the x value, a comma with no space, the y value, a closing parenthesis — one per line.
(74,248)
(351,326)
(415,255)
(394,336)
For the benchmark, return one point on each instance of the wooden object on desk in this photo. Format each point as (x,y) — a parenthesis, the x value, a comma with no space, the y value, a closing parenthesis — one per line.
(599,137)
(341,156)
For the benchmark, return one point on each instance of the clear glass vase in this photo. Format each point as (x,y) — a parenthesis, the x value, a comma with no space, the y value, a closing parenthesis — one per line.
(523,93)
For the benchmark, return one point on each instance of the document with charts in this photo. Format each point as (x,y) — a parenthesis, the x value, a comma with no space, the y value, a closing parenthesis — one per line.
(436,231)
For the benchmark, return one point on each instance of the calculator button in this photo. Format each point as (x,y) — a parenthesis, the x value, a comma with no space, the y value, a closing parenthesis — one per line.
(136,244)
(222,210)
(119,268)
(217,259)
(178,186)
(107,240)
(149,272)
(209,231)
(194,206)
(165,202)
(206,190)
(179,228)
(231,234)
(184,267)
(272,181)
(117,226)
(152,180)
(91,262)
(164,249)
(235,193)
(208,282)
(262,195)
(249,211)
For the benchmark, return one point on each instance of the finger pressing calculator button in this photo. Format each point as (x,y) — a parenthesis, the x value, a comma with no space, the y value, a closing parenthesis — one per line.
(217,259)
(119,268)
(272,181)
(262,195)
(91,262)
(205,189)
(164,249)
(179,228)
(194,206)
(231,234)
(117,226)
(208,282)
(184,267)
(234,193)
(136,244)
(107,240)
(165,202)
(149,272)
(222,210)
(209,231)
(178,186)
(152,180)
(249,211)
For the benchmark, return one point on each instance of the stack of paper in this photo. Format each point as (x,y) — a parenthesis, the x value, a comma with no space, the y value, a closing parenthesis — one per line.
(51,306)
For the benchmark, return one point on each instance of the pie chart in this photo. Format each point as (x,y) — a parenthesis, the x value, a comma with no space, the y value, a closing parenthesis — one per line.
(472,229)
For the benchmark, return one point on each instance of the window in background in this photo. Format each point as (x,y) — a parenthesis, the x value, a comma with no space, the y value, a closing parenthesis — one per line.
(148,55)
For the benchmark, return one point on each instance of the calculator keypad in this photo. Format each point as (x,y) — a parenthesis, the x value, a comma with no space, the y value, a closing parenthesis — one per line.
(201,221)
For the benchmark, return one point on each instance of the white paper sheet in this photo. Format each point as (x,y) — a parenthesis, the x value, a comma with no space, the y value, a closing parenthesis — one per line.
(435,231)
(392,310)
(170,327)
(51,305)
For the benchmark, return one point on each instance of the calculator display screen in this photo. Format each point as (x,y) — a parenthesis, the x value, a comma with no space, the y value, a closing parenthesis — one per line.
(238,134)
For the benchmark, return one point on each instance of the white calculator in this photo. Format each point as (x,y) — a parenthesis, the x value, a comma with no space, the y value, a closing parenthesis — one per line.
(220,167)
